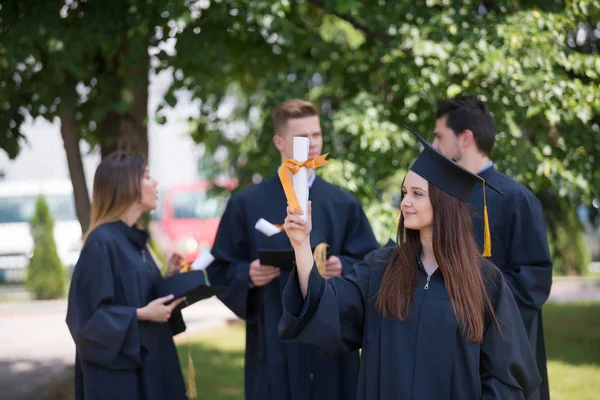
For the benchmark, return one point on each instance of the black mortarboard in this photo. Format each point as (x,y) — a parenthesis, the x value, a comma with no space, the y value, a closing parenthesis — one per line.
(194,285)
(445,174)
(282,259)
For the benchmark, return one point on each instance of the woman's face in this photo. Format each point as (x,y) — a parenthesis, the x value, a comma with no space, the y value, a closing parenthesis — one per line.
(149,192)
(416,206)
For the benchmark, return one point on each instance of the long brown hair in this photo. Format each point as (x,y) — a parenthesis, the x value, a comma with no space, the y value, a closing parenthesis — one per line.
(458,259)
(117,185)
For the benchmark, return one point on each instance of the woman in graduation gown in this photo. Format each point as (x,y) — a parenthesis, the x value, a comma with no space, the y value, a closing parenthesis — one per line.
(123,335)
(434,320)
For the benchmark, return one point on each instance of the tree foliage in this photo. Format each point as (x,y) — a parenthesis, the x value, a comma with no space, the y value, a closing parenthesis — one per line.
(84,57)
(373,66)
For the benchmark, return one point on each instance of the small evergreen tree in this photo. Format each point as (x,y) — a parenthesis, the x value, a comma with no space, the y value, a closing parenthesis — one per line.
(45,275)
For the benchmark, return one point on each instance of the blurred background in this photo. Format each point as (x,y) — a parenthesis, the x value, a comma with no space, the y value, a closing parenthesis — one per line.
(191,84)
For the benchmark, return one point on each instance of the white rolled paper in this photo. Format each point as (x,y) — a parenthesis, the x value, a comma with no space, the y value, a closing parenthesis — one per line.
(203,261)
(300,179)
(266,228)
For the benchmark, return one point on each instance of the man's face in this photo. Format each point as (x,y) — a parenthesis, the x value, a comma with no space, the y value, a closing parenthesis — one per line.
(446,142)
(309,127)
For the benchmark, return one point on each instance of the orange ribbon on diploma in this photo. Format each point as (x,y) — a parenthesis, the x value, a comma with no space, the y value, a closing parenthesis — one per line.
(294,166)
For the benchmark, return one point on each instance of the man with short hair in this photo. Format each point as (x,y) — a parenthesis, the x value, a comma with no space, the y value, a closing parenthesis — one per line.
(465,131)
(276,370)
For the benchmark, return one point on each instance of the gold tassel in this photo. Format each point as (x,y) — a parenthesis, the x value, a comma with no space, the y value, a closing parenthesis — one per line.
(487,237)
(320,257)
(191,372)
(191,378)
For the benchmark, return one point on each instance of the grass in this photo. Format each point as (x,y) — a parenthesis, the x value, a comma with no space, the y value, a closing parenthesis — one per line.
(572,343)
(573,349)
(218,362)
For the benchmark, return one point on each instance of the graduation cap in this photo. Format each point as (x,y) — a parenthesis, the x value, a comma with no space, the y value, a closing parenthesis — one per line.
(445,174)
(285,259)
(194,285)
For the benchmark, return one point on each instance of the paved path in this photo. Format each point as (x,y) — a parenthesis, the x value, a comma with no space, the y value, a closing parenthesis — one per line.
(36,346)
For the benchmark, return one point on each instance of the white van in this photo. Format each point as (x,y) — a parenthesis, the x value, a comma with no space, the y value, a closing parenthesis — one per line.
(17,205)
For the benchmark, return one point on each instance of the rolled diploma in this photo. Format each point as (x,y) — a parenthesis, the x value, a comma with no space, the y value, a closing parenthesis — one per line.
(203,260)
(300,179)
(265,227)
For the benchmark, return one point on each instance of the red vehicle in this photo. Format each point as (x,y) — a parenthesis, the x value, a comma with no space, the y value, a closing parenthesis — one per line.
(187,218)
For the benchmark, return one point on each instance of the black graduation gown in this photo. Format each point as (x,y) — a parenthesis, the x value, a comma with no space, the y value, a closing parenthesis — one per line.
(424,357)
(274,370)
(117,356)
(520,250)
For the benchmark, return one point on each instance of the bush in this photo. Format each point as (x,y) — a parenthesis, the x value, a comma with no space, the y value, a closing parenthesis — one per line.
(45,275)
(570,255)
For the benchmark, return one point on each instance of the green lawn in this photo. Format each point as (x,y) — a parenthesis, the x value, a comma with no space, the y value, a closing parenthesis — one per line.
(218,362)
(573,348)
(572,341)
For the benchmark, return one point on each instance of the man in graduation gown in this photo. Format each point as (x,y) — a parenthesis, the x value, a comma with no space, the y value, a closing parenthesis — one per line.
(465,131)
(276,370)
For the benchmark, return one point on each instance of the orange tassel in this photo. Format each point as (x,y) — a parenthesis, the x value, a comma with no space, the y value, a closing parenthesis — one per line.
(191,376)
(487,237)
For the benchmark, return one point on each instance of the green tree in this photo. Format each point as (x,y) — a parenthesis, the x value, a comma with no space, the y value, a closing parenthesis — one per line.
(45,274)
(86,63)
(373,66)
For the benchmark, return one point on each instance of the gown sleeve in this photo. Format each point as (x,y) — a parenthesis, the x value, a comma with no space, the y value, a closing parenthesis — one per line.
(508,367)
(530,268)
(105,334)
(331,316)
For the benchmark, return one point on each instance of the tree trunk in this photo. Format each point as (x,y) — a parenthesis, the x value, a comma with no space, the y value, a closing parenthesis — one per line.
(134,126)
(80,192)
(128,132)
(109,133)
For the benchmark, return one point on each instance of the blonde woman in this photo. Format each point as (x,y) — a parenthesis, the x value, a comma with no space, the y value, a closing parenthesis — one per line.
(123,334)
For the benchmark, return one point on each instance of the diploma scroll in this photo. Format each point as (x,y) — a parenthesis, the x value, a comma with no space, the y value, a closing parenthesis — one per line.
(300,179)
(203,261)
(266,228)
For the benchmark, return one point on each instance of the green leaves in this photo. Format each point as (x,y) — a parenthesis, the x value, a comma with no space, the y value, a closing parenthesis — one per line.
(375,66)
(51,51)
(371,66)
